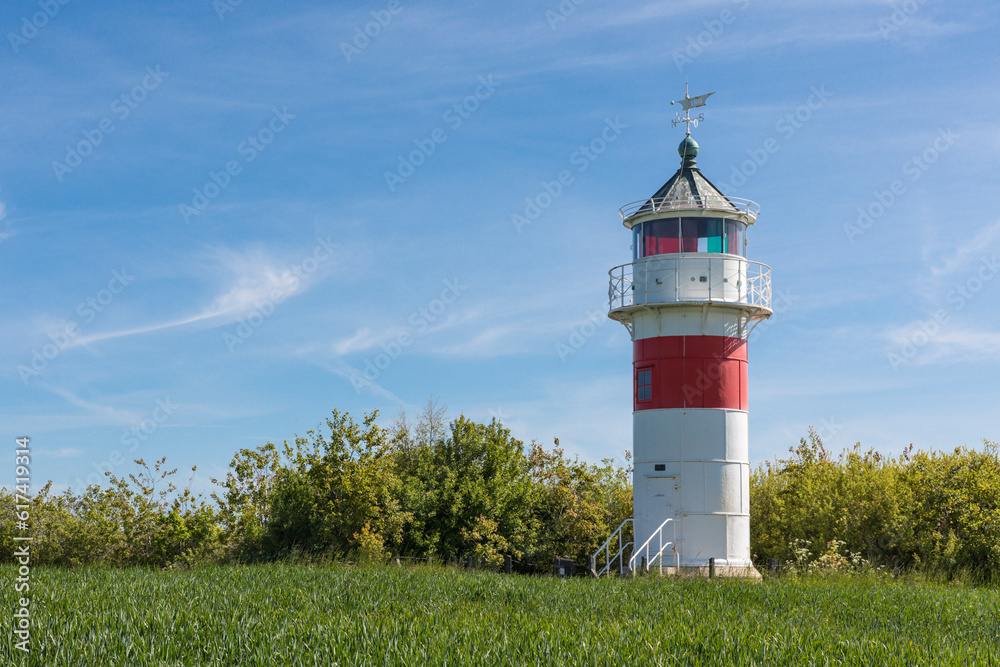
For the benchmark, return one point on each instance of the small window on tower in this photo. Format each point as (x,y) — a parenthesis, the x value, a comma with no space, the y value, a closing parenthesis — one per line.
(644,384)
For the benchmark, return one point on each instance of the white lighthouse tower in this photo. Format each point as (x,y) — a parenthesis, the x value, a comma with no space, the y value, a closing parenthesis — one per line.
(689,299)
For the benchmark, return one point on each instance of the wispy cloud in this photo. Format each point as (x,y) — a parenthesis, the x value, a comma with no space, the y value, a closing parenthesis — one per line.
(486,342)
(360,341)
(491,328)
(62,453)
(925,28)
(357,378)
(251,278)
(104,412)
(967,254)
(577,411)
(364,339)
(5,231)
(618,15)
(953,344)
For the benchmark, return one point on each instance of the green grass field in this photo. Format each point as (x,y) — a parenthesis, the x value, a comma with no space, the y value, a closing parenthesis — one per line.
(351,616)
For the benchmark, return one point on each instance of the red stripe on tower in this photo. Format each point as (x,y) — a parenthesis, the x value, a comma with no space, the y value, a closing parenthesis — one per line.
(690,372)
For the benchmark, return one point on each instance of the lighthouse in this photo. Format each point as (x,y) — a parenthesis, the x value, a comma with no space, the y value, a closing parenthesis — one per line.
(689,299)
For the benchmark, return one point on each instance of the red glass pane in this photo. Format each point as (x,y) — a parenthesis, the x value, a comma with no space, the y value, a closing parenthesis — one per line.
(660,237)
(668,231)
(689,235)
(733,230)
(648,243)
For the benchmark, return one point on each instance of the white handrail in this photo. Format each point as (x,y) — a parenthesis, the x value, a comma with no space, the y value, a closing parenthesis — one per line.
(606,547)
(728,279)
(659,534)
(618,557)
(692,202)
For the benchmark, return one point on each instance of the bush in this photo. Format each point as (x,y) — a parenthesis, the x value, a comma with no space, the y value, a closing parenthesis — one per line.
(473,490)
(130,523)
(936,511)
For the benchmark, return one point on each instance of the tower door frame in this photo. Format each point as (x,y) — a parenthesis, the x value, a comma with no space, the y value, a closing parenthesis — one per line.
(665,487)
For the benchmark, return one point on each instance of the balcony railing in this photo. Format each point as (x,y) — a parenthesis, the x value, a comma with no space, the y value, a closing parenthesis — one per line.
(708,202)
(691,278)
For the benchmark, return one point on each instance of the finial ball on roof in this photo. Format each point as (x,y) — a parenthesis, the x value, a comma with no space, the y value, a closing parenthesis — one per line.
(688,148)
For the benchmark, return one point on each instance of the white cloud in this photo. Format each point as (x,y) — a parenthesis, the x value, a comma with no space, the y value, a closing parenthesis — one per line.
(251,279)
(591,417)
(487,342)
(5,232)
(923,28)
(104,412)
(62,453)
(952,344)
(618,15)
(357,379)
(361,340)
(419,325)
(968,254)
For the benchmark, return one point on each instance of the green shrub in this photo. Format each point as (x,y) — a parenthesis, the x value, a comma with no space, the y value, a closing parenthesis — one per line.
(936,511)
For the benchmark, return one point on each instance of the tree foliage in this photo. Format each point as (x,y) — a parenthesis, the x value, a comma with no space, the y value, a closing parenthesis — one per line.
(354,490)
(431,489)
(939,510)
(142,520)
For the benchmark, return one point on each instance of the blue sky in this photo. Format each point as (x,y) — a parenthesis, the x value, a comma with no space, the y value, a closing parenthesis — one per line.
(222,220)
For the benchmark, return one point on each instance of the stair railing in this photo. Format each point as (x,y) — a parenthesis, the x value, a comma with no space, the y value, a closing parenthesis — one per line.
(658,555)
(606,548)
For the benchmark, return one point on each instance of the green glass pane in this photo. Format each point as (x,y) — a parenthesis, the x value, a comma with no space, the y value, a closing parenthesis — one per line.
(714,234)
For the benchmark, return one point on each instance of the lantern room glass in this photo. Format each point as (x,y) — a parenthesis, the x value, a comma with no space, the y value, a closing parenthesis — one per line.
(673,235)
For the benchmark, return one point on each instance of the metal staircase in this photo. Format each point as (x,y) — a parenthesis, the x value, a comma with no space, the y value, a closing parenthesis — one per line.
(647,555)
(657,556)
(609,560)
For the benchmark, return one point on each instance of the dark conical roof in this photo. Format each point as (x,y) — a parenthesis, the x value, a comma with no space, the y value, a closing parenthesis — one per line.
(688,188)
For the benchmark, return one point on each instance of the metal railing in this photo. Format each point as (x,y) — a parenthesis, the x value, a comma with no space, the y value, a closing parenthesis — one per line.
(691,278)
(606,548)
(706,202)
(658,556)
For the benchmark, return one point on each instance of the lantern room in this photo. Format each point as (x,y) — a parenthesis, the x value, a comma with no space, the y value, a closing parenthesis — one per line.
(665,236)
(689,215)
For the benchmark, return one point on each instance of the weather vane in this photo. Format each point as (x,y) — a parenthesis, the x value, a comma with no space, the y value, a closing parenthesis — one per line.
(687,104)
